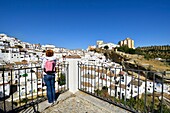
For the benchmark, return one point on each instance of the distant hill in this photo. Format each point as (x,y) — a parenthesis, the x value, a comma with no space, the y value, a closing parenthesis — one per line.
(156,51)
(134,61)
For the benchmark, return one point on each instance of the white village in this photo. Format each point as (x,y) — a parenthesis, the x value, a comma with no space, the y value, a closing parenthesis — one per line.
(96,71)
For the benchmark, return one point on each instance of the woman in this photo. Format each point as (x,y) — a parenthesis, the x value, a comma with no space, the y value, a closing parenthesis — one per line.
(49,76)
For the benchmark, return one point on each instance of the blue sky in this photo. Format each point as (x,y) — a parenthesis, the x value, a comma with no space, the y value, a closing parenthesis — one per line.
(76,24)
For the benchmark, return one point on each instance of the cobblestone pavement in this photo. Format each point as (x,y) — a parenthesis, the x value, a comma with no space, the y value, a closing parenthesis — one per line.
(74,105)
(68,102)
(8,106)
(82,103)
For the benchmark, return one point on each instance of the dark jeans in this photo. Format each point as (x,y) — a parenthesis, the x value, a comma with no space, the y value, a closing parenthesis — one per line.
(50,84)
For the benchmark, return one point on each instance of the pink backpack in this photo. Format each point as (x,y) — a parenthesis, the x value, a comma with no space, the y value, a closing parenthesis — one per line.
(50,66)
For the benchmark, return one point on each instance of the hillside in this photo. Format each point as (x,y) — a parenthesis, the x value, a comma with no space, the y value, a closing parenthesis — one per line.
(134,61)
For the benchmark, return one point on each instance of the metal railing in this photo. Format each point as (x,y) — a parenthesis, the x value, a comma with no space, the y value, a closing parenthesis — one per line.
(133,90)
(21,88)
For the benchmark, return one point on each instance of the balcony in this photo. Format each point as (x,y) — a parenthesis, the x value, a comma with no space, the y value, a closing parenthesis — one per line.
(85,88)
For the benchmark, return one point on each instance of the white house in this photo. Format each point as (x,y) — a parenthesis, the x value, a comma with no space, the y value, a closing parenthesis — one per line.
(48,46)
(92,58)
(110,45)
(7,88)
(6,83)
(27,83)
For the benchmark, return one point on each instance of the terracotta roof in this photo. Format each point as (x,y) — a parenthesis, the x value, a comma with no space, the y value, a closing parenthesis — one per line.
(112,86)
(21,63)
(25,61)
(122,86)
(136,75)
(39,74)
(89,76)
(87,68)
(86,84)
(1,84)
(100,71)
(166,96)
(134,82)
(122,72)
(73,56)
(110,74)
(157,94)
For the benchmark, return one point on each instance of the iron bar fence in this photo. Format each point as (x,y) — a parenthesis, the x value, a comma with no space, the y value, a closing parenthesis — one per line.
(133,90)
(24,87)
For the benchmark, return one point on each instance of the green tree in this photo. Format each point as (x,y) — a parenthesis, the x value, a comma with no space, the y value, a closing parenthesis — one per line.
(106,55)
(131,51)
(124,49)
(106,47)
(62,79)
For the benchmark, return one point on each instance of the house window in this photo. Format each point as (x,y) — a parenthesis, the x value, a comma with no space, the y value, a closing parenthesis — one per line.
(5,51)
(122,77)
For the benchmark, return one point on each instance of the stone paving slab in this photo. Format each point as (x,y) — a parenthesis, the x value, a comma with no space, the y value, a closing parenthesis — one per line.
(44,105)
(74,105)
(100,103)
(80,103)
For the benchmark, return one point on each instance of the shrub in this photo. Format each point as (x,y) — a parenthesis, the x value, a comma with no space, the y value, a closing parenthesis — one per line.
(62,79)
